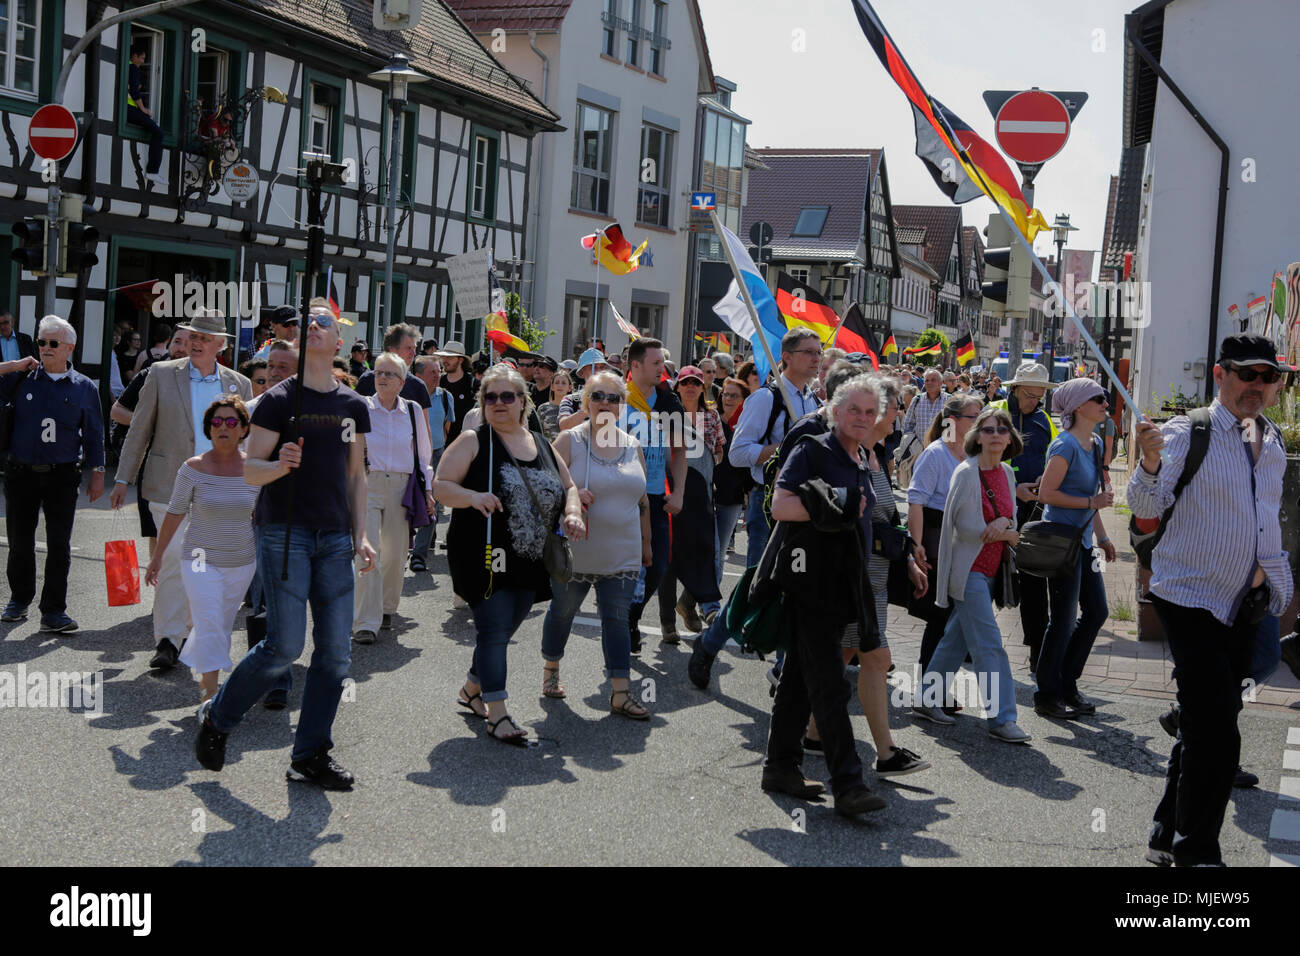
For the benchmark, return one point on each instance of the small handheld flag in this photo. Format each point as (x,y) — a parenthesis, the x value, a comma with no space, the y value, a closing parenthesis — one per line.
(965,349)
(613,251)
(856,336)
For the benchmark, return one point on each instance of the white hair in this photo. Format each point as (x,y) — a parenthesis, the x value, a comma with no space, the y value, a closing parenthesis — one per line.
(393,359)
(51,324)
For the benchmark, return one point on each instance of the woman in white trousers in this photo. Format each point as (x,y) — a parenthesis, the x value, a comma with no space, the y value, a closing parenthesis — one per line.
(397,445)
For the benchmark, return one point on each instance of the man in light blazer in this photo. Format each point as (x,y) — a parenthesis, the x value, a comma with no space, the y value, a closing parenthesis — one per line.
(168,426)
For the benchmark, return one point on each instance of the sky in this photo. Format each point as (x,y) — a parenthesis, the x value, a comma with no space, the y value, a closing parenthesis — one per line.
(834,92)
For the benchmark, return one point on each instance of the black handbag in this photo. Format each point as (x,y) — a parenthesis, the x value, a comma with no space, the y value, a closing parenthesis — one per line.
(890,541)
(1006,583)
(1050,549)
(557,555)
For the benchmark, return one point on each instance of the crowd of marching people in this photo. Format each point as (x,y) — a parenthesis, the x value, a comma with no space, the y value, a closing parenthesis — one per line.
(308,480)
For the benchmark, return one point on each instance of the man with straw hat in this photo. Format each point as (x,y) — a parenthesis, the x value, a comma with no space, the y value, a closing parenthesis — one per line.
(168,427)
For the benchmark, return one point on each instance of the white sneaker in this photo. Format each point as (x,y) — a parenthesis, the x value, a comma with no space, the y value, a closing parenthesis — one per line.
(1009,733)
(158,179)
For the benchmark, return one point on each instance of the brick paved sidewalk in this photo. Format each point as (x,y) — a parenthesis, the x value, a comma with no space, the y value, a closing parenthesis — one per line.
(1119,663)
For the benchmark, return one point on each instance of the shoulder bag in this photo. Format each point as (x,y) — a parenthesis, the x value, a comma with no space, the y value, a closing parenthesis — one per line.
(557,555)
(417,509)
(1050,549)
(1006,585)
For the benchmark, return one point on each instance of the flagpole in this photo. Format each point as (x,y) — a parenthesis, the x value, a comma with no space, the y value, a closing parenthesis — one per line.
(760,334)
(595,262)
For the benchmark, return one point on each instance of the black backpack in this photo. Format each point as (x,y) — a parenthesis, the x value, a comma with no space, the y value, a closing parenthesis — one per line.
(1144,542)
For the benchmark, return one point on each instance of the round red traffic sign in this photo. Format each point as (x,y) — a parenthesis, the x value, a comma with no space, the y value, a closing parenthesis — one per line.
(53,132)
(1032,127)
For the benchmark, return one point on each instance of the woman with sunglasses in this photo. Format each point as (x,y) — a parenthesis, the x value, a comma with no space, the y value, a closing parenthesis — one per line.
(1075,487)
(549,411)
(218,553)
(694,533)
(397,447)
(507,489)
(979,521)
(927,496)
(608,465)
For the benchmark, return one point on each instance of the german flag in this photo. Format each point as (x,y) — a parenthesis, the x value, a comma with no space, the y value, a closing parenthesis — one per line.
(942,138)
(614,252)
(933,348)
(802,305)
(856,336)
(890,347)
(498,330)
(965,350)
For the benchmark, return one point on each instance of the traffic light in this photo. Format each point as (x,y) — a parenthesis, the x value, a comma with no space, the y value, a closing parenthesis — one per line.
(1006,272)
(77,248)
(30,253)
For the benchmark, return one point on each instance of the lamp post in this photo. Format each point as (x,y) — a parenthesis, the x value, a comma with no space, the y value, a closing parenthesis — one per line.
(1061,230)
(399,75)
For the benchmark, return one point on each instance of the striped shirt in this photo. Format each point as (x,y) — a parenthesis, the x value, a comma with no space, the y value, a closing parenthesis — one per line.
(1226,522)
(221,517)
(920,414)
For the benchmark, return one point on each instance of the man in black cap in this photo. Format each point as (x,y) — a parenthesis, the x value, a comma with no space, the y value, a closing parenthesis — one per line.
(544,369)
(284,327)
(1218,571)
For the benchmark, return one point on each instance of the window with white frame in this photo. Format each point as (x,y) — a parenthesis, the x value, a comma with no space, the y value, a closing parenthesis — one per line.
(483,192)
(658,42)
(799,273)
(154,45)
(634,15)
(20,39)
(609,36)
(213,78)
(593,148)
(656,164)
(324,115)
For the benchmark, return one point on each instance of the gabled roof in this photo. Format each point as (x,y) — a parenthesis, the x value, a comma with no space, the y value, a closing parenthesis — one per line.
(795,178)
(1123,235)
(940,224)
(544,16)
(441,47)
(1140,81)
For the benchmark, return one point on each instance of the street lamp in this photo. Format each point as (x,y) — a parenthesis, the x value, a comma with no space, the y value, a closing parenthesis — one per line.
(399,74)
(1061,230)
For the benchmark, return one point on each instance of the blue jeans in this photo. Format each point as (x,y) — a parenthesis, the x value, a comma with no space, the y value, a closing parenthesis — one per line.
(659,545)
(320,573)
(725,518)
(756,529)
(257,605)
(136,116)
(495,620)
(1069,639)
(424,536)
(613,598)
(972,628)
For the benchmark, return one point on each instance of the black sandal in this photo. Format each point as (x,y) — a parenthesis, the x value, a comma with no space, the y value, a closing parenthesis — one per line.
(468,704)
(518,739)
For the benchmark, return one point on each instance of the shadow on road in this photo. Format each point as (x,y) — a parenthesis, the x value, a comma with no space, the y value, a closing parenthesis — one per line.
(254,838)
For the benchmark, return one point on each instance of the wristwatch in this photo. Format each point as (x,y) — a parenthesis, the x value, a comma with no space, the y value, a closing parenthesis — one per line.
(98,468)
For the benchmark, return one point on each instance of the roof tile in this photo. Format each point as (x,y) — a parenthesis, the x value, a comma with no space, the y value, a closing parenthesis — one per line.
(795,178)
(939,223)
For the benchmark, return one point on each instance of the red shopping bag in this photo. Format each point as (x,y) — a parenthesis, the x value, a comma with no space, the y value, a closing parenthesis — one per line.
(122,571)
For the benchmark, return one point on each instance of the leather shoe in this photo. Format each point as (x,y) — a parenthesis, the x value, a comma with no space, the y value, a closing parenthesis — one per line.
(1055,708)
(1081,704)
(858,800)
(1244,778)
(165,657)
(700,666)
(792,783)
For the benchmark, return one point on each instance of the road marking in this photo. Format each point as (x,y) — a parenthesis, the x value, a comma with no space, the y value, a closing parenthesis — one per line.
(1291,760)
(1283,859)
(1285,826)
(1293,736)
(1289,788)
(595,622)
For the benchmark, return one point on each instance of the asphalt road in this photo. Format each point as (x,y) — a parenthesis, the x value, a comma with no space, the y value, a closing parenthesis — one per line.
(123,787)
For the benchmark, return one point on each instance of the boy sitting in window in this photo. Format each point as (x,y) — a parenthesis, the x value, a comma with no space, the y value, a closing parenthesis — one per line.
(140,114)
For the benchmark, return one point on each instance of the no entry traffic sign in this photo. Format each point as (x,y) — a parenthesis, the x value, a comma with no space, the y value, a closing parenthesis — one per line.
(1032,127)
(53,132)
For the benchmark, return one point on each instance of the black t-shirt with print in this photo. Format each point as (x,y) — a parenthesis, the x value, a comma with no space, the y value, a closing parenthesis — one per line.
(463,394)
(329,423)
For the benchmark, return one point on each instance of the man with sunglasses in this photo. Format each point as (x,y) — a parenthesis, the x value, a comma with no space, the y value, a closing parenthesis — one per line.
(325,497)
(1218,570)
(57,429)
(284,328)
(166,431)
